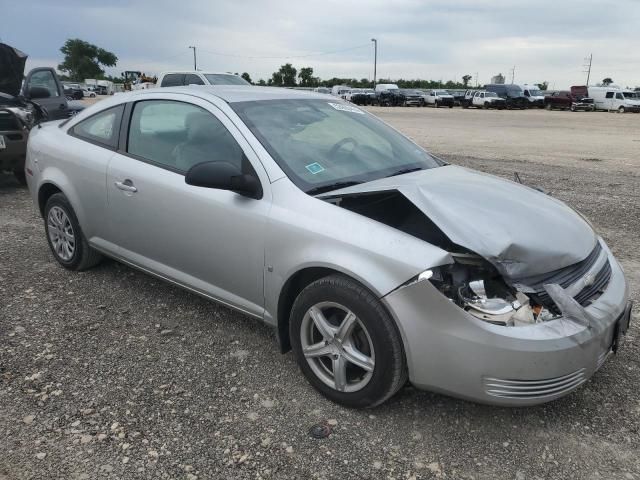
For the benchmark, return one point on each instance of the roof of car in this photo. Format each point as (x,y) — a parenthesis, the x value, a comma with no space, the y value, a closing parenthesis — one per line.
(241,93)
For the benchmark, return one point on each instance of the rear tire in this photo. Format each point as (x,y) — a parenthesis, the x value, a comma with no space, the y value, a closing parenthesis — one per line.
(373,336)
(64,235)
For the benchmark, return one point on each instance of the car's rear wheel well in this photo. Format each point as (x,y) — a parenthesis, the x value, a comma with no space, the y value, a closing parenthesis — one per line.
(44,193)
(288,295)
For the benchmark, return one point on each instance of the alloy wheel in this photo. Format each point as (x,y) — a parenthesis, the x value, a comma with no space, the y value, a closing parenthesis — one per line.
(61,233)
(337,347)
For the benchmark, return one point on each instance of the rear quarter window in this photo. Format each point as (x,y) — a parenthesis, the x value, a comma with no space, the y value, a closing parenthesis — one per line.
(101,128)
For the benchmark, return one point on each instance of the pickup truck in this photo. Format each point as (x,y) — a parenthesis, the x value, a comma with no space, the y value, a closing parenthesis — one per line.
(40,97)
(565,100)
(484,99)
(438,98)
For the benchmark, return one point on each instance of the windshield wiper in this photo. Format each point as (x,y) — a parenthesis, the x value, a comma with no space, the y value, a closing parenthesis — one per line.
(331,186)
(403,171)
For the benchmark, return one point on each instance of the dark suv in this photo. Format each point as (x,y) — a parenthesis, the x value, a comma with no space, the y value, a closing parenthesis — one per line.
(512,94)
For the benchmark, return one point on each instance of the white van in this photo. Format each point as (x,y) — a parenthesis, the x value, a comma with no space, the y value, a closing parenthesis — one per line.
(533,94)
(613,98)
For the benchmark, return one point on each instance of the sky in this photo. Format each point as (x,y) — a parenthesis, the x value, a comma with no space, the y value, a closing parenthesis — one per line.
(545,40)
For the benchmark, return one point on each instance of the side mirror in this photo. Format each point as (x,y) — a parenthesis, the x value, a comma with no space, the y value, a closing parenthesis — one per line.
(38,92)
(224,176)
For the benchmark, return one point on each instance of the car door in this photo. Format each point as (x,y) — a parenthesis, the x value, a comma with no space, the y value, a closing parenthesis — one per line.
(209,240)
(55,103)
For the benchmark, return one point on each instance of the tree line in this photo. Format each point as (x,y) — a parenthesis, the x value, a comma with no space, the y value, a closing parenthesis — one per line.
(84,60)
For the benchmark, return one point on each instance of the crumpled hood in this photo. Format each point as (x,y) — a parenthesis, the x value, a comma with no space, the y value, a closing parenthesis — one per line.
(12,63)
(520,230)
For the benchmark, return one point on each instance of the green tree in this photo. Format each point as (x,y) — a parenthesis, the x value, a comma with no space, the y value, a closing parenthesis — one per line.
(306,77)
(84,60)
(543,86)
(276,79)
(607,81)
(287,73)
(247,77)
(261,82)
(465,80)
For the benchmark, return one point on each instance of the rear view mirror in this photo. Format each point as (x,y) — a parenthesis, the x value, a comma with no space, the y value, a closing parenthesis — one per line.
(38,92)
(223,176)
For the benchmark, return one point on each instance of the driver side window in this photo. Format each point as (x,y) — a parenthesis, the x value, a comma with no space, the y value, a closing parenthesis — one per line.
(177,136)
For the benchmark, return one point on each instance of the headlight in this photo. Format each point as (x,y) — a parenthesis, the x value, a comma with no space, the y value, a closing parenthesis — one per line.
(475,286)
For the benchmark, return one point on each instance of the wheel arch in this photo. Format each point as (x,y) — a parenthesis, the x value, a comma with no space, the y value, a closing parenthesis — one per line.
(292,288)
(46,190)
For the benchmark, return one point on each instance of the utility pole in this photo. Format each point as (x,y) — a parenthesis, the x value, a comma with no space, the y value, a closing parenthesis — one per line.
(477,84)
(588,67)
(195,64)
(513,74)
(375,60)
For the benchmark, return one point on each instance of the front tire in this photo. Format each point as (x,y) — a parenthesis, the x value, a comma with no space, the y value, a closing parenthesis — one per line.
(622,110)
(346,344)
(64,235)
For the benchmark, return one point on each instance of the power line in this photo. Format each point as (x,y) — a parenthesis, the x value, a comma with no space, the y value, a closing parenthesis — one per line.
(253,57)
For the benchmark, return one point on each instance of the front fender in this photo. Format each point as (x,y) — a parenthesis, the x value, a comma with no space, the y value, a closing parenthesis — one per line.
(305,232)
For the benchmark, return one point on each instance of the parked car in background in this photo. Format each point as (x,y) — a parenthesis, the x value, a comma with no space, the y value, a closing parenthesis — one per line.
(196,77)
(340,91)
(512,94)
(323,90)
(534,95)
(407,97)
(88,93)
(23,104)
(565,100)
(613,98)
(361,96)
(73,91)
(374,261)
(467,98)
(484,99)
(438,98)
(458,96)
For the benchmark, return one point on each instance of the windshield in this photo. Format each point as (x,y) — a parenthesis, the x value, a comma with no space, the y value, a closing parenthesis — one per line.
(319,143)
(225,79)
(535,93)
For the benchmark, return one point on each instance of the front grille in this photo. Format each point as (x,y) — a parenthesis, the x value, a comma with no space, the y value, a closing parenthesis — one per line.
(533,389)
(567,276)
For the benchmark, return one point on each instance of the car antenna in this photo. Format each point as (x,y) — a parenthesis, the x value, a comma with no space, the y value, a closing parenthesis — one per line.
(517,177)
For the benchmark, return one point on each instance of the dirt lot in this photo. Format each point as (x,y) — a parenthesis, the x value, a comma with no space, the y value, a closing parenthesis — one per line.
(112,374)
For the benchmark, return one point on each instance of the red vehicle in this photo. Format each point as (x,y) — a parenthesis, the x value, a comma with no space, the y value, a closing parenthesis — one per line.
(574,100)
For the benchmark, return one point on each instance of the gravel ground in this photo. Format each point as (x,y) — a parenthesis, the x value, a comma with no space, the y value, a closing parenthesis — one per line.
(113,374)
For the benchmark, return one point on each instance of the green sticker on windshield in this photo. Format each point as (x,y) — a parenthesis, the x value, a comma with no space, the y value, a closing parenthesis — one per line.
(314,168)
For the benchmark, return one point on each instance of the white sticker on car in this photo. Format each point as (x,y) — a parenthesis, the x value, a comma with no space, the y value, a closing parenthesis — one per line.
(3,145)
(345,108)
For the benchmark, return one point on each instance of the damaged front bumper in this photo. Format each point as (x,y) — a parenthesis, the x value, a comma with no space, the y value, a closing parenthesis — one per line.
(450,351)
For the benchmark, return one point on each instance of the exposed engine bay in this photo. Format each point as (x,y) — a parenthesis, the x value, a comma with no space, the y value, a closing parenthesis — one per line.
(471,281)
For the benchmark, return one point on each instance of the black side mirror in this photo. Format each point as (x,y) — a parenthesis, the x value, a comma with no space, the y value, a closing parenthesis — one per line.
(224,176)
(38,92)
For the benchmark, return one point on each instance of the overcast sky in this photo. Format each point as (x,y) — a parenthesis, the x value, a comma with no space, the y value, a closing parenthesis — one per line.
(543,39)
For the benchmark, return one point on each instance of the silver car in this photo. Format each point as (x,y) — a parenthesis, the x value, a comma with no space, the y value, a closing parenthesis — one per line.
(375,261)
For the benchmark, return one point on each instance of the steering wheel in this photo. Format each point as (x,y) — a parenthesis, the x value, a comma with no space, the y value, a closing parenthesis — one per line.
(341,144)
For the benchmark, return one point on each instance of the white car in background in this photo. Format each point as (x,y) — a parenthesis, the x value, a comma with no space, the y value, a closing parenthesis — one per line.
(191,77)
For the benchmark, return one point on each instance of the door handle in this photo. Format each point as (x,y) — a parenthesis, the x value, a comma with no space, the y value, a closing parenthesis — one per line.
(126,185)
